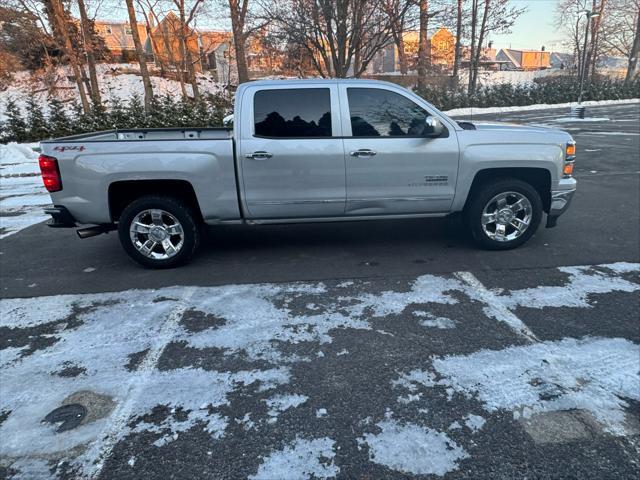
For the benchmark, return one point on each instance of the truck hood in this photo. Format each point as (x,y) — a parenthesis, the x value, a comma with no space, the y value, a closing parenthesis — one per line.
(514,127)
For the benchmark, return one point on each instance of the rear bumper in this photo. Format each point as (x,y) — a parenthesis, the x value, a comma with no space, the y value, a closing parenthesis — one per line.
(60,217)
(560,200)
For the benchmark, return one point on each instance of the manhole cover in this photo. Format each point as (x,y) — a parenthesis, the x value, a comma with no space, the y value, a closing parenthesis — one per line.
(68,416)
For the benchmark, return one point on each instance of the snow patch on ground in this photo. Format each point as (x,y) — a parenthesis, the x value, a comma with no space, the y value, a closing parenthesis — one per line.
(474,422)
(22,194)
(280,403)
(541,106)
(593,374)
(410,448)
(583,282)
(304,459)
(432,321)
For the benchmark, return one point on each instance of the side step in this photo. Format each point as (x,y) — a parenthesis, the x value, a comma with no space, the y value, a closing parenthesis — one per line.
(95,230)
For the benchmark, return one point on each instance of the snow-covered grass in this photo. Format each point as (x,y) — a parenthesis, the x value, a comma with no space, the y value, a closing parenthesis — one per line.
(116,81)
(22,194)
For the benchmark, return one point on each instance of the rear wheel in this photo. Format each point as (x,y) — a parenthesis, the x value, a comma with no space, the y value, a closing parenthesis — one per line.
(504,214)
(159,232)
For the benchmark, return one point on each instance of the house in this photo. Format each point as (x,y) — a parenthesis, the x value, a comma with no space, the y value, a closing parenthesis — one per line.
(441,46)
(525,60)
(118,38)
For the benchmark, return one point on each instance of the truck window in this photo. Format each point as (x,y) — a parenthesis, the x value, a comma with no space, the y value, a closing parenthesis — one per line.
(292,113)
(376,112)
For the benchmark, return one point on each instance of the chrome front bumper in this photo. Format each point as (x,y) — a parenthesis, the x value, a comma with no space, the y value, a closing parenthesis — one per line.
(560,200)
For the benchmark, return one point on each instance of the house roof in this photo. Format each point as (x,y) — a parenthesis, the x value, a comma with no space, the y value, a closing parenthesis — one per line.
(507,52)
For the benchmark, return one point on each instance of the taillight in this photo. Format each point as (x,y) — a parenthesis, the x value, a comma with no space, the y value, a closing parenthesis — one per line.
(50,173)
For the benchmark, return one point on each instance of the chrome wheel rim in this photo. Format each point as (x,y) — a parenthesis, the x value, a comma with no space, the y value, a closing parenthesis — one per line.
(506,216)
(156,234)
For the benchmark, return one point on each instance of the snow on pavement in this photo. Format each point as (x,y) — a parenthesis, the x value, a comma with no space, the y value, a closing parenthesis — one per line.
(22,194)
(108,347)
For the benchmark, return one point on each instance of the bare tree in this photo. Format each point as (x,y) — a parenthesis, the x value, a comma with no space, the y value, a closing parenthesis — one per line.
(458,47)
(488,16)
(238,10)
(142,61)
(341,36)
(397,12)
(423,42)
(596,21)
(59,24)
(620,33)
(88,41)
(184,35)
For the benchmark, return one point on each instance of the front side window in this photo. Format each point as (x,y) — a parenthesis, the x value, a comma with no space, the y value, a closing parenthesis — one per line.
(292,113)
(381,113)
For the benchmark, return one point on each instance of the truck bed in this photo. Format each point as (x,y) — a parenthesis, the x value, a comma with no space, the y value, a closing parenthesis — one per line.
(137,134)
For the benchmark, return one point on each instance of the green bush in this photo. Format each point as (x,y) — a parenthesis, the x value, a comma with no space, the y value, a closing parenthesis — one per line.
(54,120)
(544,90)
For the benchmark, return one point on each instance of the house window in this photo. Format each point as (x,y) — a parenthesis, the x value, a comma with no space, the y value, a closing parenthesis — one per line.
(127,30)
(107,29)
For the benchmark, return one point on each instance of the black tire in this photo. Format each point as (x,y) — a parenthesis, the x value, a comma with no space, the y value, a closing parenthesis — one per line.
(484,194)
(175,207)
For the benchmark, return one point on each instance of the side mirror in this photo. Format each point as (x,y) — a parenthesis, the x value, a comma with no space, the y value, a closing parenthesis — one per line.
(432,127)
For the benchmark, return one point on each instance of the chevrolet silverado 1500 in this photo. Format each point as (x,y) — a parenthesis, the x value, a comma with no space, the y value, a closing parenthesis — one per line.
(308,150)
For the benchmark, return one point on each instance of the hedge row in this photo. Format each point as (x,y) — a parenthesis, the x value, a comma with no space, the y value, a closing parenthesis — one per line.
(545,90)
(58,120)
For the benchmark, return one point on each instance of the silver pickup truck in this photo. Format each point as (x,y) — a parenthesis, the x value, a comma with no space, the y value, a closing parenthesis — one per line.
(309,151)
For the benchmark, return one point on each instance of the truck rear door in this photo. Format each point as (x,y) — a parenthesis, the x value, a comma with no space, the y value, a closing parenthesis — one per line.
(292,165)
(391,167)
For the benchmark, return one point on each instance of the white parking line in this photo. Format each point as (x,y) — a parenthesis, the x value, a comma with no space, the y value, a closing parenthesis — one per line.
(495,308)
(137,384)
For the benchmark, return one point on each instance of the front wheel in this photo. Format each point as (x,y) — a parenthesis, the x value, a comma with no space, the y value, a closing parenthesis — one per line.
(159,232)
(504,214)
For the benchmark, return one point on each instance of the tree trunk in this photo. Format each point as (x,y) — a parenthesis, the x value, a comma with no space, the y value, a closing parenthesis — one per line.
(146,80)
(87,37)
(423,45)
(478,53)
(635,51)
(472,50)
(60,24)
(457,52)
(595,35)
(402,55)
(238,13)
(186,53)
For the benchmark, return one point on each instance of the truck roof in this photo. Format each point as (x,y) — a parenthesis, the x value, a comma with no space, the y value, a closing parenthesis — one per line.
(321,81)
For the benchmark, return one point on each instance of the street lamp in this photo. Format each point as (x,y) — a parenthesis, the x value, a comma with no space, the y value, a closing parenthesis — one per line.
(589,14)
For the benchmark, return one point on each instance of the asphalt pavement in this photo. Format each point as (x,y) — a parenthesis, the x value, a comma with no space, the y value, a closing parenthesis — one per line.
(391,349)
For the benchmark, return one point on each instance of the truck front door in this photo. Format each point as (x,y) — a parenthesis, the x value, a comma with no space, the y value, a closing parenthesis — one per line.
(392,168)
(292,165)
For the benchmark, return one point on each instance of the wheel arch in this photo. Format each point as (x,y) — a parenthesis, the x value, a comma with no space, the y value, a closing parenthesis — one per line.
(539,178)
(122,193)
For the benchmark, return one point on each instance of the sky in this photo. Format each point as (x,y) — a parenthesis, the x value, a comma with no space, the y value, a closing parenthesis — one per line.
(534,28)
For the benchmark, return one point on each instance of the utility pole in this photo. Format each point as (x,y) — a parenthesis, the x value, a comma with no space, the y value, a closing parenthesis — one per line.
(589,14)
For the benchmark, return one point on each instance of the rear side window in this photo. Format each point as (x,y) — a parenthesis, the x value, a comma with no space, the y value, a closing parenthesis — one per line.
(292,113)
(381,113)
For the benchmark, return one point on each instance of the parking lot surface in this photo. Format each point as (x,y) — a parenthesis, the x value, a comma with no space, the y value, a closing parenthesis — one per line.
(356,350)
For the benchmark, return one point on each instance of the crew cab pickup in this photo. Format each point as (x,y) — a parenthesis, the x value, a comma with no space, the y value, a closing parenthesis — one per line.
(309,150)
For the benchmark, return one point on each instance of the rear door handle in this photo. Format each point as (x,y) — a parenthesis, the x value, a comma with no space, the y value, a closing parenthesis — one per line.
(260,155)
(363,152)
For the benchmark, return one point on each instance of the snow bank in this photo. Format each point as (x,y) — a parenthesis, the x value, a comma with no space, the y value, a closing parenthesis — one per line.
(22,195)
(540,106)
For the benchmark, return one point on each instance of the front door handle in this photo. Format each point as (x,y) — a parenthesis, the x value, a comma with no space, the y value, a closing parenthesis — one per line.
(260,155)
(363,152)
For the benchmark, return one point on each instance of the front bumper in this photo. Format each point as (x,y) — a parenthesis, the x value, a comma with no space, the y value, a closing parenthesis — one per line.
(560,200)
